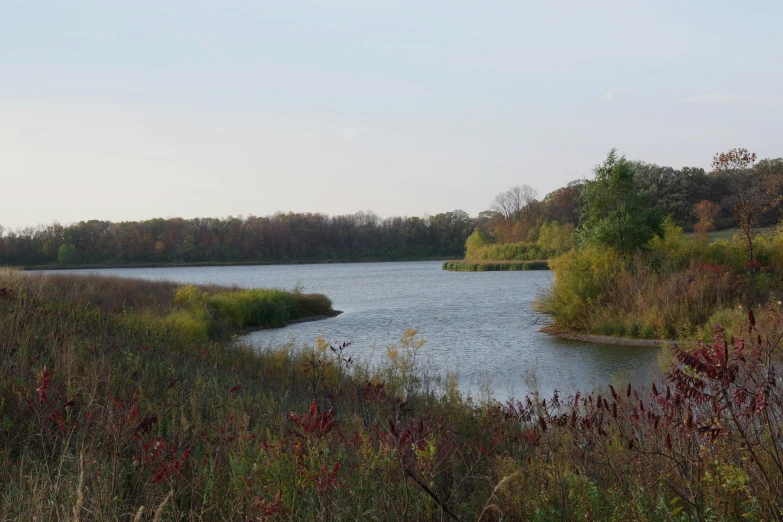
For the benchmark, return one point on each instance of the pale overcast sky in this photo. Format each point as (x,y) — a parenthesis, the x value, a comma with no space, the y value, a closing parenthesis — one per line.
(135,109)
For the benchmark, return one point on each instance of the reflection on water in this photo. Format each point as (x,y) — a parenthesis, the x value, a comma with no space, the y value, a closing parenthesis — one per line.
(479,325)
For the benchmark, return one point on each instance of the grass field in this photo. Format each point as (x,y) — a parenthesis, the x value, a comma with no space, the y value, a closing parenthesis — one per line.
(728,233)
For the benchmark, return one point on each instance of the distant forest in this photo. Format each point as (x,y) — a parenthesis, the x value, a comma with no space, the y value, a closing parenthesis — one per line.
(301,237)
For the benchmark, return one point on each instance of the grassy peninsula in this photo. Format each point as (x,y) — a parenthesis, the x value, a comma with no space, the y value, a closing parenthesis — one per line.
(485,253)
(493,266)
(119,401)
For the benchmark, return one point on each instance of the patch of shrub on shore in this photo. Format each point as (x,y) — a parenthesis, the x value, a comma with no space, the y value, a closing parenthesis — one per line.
(671,290)
(552,239)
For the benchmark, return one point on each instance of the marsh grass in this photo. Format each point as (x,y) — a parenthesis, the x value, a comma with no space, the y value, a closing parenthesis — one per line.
(205,311)
(494,266)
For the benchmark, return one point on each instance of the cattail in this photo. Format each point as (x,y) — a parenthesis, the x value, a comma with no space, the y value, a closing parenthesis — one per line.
(668,441)
(140,512)
(542,423)
(614,410)
(159,511)
(654,390)
(628,390)
(614,393)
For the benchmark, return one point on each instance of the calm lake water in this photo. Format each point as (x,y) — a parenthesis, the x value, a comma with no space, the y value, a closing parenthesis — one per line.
(479,325)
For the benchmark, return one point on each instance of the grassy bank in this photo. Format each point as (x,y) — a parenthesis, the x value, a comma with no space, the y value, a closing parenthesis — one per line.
(676,288)
(491,266)
(109,414)
(205,312)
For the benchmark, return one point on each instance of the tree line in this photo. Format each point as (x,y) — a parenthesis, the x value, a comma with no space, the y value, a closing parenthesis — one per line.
(282,237)
(738,191)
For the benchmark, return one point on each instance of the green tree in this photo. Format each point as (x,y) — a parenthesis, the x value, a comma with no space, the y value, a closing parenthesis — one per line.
(615,215)
(67,255)
(475,242)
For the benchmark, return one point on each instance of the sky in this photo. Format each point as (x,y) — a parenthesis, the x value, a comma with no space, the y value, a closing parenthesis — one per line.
(128,110)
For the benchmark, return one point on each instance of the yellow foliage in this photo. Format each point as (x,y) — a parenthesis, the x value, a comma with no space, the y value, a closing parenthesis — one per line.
(321,344)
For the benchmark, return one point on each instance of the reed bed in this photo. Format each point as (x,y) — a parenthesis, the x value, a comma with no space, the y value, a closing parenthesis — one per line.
(494,266)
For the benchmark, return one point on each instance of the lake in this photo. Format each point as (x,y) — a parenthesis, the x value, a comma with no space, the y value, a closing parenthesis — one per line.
(479,325)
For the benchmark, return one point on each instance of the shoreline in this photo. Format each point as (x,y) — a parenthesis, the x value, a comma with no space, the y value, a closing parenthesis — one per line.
(320,317)
(311,318)
(55,267)
(603,339)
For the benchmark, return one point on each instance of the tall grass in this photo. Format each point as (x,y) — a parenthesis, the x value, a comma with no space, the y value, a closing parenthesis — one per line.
(205,311)
(225,311)
(494,266)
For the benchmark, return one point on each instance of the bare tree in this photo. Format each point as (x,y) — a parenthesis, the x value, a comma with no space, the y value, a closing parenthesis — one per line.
(514,203)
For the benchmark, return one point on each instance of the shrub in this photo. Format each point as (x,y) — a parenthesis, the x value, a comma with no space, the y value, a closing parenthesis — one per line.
(67,255)
(669,291)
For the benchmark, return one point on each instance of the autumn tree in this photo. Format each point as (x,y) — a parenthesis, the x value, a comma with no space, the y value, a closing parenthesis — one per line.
(705,212)
(738,165)
(771,173)
(564,204)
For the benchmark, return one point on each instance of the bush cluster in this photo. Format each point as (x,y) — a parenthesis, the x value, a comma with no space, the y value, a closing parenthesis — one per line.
(674,289)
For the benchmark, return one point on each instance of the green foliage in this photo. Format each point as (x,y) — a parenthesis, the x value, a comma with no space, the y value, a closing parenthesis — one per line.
(67,255)
(582,278)
(218,313)
(494,266)
(556,238)
(553,240)
(237,309)
(522,251)
(616,216)
(675,191)
(476,241)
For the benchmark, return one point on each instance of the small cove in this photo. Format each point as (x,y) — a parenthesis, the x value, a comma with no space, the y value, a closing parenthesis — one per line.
(479,325)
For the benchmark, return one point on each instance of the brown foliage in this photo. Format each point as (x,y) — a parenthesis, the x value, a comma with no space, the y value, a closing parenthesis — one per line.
(705,211)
